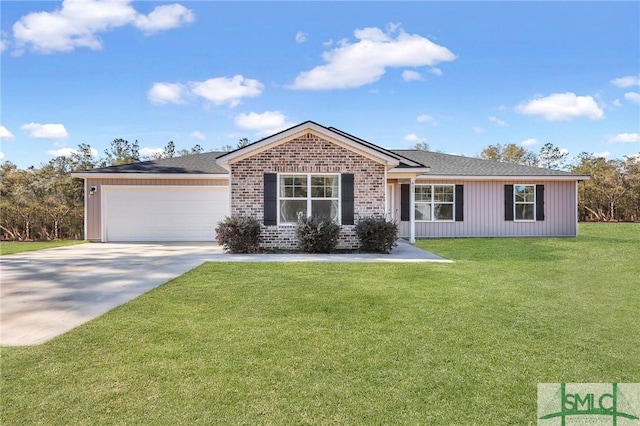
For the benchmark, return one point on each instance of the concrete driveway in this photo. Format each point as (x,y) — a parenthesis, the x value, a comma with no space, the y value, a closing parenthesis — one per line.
(48,292)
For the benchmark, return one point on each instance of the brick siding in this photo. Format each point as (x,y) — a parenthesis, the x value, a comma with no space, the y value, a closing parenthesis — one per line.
(306,154)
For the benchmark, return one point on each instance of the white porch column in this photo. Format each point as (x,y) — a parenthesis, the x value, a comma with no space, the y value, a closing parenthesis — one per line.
(412,211)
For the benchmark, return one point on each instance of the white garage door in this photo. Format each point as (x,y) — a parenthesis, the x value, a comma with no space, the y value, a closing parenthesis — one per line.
(162,213)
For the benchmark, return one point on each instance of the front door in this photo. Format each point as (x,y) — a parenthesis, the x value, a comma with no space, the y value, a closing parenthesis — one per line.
(391,202)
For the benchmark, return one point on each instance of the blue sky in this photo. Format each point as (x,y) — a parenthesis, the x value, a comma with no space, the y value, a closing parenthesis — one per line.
(458,75)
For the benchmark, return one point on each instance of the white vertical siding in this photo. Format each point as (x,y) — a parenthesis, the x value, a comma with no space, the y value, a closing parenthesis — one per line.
(484,212)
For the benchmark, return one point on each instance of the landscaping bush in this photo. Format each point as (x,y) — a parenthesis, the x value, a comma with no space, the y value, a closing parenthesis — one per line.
(377,234)
(239,234)
(317,234)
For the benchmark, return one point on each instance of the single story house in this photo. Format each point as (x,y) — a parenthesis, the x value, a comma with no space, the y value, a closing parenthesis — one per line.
(312,169)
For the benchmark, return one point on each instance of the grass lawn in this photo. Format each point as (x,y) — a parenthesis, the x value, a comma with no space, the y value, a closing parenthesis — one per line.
(298,343)
(12,247)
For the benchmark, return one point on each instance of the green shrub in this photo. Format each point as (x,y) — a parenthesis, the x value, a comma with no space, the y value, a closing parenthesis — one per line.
(377,234)
(239,234)
(317,234)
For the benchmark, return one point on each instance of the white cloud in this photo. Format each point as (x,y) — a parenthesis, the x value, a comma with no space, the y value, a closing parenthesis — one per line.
(478,130)
(425,118)
(351,65)
(164,93)
(68,152)
(1,155)
(328,42)
(497,121)
(301,37)
(265,123)
(632,97)
(604,154)
(617,103)
(164,18)
(408,75)
(4,41)
(223,90)
(435,71)
(625,138)
(62,152)
(219,90)
(633,157)
(562,107)
(198,135)
(628,81)
(45,131)
(5,134)
(529,142)
(148,152)
(564,151)
(412,137)
(77,23)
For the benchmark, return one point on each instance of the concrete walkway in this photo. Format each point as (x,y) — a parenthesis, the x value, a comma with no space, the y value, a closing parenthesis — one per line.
(49,292)
(404,252)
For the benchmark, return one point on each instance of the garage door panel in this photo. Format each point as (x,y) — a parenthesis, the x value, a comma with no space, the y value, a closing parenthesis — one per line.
(163,213)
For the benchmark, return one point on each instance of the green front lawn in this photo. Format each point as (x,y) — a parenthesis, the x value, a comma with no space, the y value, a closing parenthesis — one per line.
(301,343)
(12,247)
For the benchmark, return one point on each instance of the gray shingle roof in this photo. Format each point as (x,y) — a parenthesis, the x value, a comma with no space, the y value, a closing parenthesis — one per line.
(440,164)
(190,164)
(455,165)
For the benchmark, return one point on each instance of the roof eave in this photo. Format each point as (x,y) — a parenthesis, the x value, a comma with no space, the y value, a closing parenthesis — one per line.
(399,157)
(506,177)
(409,170)
(133,175)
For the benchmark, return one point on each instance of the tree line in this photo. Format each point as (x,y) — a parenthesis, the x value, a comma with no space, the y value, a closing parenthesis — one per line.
(46,203)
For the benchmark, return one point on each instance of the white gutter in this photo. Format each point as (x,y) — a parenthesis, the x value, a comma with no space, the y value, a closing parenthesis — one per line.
(410,170)
(85,175)
(507,177)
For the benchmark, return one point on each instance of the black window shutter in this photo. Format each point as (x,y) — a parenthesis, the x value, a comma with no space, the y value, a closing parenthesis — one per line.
(347,198)
(405,201)
(270,199)
(459,194)
(539,202)
(508,202)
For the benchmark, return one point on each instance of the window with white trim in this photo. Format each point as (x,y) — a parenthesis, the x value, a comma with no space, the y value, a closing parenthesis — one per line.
(434,202)
(524,202)
(308,195)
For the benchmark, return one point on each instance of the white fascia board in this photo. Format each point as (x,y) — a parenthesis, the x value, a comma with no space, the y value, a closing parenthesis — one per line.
(282,137)
(510,178)
(150,175)
(409,170)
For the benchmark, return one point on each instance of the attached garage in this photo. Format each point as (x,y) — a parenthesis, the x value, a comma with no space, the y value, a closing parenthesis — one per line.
(162,213)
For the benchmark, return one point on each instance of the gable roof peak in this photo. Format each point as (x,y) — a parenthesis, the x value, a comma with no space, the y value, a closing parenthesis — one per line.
(312,127)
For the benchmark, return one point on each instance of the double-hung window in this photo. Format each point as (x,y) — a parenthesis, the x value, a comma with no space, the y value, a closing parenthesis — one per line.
(434,202)
(308,195)
(524,202)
